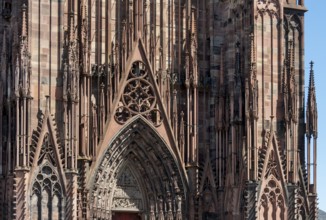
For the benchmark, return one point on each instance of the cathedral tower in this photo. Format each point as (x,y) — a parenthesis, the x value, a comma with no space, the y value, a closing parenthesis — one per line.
(167,109)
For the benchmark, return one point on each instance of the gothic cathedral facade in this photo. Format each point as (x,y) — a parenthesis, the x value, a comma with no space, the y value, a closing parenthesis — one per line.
(156,110)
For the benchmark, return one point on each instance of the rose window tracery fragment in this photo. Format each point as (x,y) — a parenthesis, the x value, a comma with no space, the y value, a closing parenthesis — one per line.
(138,97)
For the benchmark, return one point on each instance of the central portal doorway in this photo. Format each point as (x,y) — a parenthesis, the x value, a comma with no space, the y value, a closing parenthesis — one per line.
(125,216)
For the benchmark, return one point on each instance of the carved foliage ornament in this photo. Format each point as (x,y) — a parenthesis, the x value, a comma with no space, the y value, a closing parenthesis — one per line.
(138,97)
(269,6)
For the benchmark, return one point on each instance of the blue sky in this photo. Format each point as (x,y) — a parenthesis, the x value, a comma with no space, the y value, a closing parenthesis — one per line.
(315,49)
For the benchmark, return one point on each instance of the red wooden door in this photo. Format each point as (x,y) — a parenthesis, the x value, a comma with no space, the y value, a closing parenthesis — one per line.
(125,216)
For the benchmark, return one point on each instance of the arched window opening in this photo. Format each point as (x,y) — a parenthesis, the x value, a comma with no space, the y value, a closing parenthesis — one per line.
(47,196)
(272,205)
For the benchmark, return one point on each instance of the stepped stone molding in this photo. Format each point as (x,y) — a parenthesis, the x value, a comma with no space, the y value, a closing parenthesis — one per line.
(127,180)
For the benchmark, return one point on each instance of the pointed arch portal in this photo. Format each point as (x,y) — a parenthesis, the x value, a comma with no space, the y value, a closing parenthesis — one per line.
(138,176)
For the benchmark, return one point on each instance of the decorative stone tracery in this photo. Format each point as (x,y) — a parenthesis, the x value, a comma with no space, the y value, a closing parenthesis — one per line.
(47,151)
(187,72)
(138,97)
(47,198)
(272,166)
(272,204)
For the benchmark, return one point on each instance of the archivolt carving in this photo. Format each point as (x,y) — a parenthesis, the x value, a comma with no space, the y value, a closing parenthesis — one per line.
(138,97)
(137,173)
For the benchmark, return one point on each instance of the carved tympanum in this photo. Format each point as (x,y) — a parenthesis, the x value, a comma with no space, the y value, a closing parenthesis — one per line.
(127,193)
(122,193)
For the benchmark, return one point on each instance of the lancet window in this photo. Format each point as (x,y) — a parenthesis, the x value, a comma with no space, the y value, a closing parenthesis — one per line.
(272,204)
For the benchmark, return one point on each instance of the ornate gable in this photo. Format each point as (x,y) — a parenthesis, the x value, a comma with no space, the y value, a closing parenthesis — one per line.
(139,92)
(273,195)
(47,151)
(272,165)
(207,188)
(47,194)
(139,95)
(46,148)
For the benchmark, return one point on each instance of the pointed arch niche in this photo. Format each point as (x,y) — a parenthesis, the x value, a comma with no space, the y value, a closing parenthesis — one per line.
(272,203)
(138,174)
(47,196)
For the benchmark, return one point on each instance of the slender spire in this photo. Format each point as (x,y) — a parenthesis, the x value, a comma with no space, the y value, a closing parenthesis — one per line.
(24,22)
(252,50)
(311,115)
(72,32)
(253,76)
(24,54)
(312,128)
(84,9)
(311,80)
